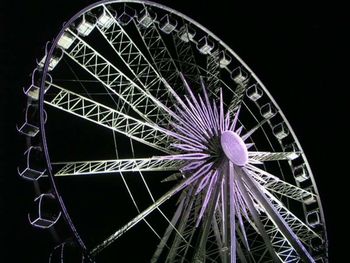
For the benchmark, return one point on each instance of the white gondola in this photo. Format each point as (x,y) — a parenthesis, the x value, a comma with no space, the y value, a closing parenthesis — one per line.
(46,212)
(300,173)
(66,40)
(105,20)
(280,130)
(54,60)
(186,33)
(239,75)
(145,18)
(254,92)
(33,166)
(317,244)
(313,218)
(205,45)
(86,26)
(224,59)
(267,110)
(126,16)
(30,125)
(308,198)
(293,151)
(33,89)
(167,24)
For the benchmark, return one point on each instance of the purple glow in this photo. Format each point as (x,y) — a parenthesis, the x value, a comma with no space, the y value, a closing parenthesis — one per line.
(234,148)
(207,197)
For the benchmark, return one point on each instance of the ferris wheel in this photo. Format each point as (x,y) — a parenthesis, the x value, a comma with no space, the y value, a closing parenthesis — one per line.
(138,102)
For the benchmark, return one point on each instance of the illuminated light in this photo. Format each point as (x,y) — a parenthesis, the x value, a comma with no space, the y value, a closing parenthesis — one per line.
(167,24)
(254,92)
(225,59)
(313,218)
(52,64)
(300,173)
(267,111)
(144,18)
(205,46)
(187,33)
(234,148)
(280,131)
(105,20)
(308,198)
(66,40)
(293,151)
(239,75)
(85,27)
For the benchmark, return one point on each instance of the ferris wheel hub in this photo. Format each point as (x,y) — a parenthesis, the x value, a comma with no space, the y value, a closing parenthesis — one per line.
(234,148)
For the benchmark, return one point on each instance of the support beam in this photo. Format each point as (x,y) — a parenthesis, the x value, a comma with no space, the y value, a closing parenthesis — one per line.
(117,166)
(275,184)
(90,110)
(184,184)
(129,92)
(280,223)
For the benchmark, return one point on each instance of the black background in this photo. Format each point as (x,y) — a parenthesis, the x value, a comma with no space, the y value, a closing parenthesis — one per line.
(295,49)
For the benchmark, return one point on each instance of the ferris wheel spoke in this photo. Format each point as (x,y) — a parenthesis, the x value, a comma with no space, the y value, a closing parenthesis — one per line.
(186,228)
(184,52)
(117,166)
(233,213)
(223,214)
(90,110)
(256,218)
(253,130)
(218,237)
(200,249)
(142,70)
(213,71)
(283,248)
(158,50)
(168,231)
(184,184)
(129,92)
(276,217)
(276,185)
(237,101)
(272,156)
(240,254)
(302,230)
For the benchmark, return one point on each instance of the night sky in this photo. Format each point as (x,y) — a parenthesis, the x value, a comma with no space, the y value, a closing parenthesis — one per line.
(291,48)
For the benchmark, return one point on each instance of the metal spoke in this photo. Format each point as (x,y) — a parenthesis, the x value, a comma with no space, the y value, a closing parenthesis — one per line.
(186,228)
(159,52)
(85,108)
(185,183)
(279,186)
(119,165)
(168,231)
(255,215)
(130,93)
(200,250)
(254,129)
(272,156)
(142,70)
(277,219)
(185,56)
